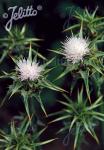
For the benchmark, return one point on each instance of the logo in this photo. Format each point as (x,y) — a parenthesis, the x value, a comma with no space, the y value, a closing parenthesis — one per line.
(18,13)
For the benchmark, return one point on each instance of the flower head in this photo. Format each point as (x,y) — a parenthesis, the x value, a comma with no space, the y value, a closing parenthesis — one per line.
(28,70)
(75,48)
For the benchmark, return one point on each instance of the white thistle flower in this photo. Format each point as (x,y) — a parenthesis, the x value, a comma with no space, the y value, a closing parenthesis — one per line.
(29,70)
(75,48)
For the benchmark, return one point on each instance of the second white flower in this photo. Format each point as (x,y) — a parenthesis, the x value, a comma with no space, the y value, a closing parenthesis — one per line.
(75,48)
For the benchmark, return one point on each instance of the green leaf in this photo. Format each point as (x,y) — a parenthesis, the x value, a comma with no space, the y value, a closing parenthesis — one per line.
(85,77)
(90,130)
(45,142)
(15,88)
(30,53)
(99,118)
(58,51)
(5,53)
(72,27)
(95,104)
(13,131)
(48,63)
(80,97)
(97,68)
(66,71)
(94,13)
(94,134)
(60,118)
(24,126)
(39,133)
(99,53)
(38,54)
(49,85)
(38,98)
(23,30)
(26,103)
(72,123)
(76,135)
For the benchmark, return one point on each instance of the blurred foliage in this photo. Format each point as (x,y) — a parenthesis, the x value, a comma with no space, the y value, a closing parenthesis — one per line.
(78,117)
(16,41)
(21,138)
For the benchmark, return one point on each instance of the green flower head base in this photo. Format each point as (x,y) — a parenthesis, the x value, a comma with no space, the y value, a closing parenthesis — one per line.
(29,70)
(75,48)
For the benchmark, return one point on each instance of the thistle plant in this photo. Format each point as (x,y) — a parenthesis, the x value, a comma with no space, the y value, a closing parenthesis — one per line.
(82,57)
(78,117)
(16,40)
(93,25)
(83,61)
(29,78)
(20,138)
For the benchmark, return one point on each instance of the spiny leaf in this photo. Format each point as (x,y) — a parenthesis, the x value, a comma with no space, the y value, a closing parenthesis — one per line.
(85,76)
(45,142)
(26,103)
(60,118)
(49,85)
(76,135)
(72,123)
(38,54)
(15,89)
(97,68)
(58,51)
(66,71)
(49,62)
(30,53)
(41,103)
(23,30)
(72,27)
